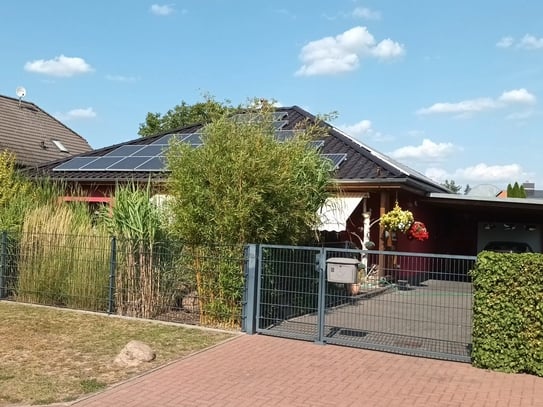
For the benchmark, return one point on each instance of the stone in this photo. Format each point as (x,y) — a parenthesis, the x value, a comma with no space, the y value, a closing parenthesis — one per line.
(135,353)
(190,302)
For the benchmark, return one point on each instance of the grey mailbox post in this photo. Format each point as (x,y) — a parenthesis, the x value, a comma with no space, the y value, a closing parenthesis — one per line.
(341,270)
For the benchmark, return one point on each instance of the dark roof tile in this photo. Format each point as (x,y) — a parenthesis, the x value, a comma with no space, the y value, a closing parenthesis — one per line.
(28,132)
(362,164)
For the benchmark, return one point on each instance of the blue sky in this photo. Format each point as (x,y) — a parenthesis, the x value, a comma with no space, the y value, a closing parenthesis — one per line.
(452,89)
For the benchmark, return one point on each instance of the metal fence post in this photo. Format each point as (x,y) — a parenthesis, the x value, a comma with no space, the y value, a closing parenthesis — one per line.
(112,267)
(248,315)
(321,307)
(3,263)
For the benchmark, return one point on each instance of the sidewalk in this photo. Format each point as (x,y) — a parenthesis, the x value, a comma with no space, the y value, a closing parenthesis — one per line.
(267,371)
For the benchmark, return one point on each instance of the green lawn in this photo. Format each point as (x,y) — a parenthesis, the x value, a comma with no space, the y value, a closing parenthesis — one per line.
(51,355)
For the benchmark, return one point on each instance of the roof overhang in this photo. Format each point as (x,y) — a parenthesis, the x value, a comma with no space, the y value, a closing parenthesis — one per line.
(335,212)
(484,201)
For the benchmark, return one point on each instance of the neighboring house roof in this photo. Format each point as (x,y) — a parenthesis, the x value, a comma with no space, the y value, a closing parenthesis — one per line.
(357,163)
(34,136)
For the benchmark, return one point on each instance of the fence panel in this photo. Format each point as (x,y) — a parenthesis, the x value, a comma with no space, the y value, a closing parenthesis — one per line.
(200,285)
(288,284)
(410,303)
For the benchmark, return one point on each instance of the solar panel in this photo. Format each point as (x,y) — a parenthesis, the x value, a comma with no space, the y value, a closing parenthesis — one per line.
(284,135)
(150,151)
(123,151)
(154,164)
(74,164)
(279,115)
(256,117)
(128,163)
(193,139)
(278,125)
(165,140)
(316,144)
(100,164)
(336,159)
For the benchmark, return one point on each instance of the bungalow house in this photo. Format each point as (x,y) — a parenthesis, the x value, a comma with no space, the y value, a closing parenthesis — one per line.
(368,185)
(34,136)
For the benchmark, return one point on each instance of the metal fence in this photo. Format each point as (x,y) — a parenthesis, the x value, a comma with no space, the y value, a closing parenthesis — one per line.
(410,303)
(200,285)
(418,304)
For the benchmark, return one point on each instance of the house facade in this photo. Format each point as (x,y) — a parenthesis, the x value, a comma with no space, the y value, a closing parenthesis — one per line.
(367,185)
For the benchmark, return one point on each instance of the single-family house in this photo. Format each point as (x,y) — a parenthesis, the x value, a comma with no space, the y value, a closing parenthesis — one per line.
(34,136)
(368,183)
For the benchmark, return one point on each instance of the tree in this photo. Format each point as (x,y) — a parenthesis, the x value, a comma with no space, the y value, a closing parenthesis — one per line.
(516,191)
(243,186)
(183,115)
(467,189)
(452,186)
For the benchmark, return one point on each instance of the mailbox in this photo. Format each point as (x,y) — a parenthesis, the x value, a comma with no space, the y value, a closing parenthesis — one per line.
(342,269)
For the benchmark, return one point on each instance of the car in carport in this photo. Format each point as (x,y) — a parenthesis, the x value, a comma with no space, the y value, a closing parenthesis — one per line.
(508,247)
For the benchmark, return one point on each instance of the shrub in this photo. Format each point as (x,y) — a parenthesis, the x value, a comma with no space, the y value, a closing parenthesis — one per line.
(508,312)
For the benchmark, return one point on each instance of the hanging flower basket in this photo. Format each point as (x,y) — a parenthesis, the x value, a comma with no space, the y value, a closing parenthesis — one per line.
(397,220)
(418,231)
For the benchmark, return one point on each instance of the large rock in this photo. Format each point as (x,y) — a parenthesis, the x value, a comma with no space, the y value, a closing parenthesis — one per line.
(135,353)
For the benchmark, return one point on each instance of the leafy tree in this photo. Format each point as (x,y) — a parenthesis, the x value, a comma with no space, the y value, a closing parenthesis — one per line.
(243,186)
(452,186)
(183,115)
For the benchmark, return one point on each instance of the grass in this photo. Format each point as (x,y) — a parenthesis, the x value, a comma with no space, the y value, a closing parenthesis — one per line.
(53,355)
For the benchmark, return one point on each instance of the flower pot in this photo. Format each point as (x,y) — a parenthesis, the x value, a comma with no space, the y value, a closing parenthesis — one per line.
(352,289)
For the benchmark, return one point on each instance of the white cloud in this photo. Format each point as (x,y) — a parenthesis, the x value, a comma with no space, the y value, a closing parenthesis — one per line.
(364,130)
(505,42)
(121,78)
(508,98)
(490,173)
(366,13)
(387,49)
(427,151)
(342,53)
(518,96)
(465,106)
(77,114)
(162,10)
(357,129)
(479,174)
(61,66)
(437,174)
(530,42)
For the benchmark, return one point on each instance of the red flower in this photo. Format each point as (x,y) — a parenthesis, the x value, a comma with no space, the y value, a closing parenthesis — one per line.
(417,231)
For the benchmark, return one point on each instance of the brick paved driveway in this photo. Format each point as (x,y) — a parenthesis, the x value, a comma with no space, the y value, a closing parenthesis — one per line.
(268,371)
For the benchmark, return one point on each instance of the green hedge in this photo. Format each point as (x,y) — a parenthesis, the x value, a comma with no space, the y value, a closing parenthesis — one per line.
(508,312)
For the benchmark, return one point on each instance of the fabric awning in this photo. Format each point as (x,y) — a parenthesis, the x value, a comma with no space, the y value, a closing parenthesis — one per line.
(335,212)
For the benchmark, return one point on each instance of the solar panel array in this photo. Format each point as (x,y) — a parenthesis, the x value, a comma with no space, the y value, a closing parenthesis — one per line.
(151,157)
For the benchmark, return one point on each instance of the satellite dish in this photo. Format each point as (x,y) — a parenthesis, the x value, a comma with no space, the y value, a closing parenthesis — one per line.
(21,92)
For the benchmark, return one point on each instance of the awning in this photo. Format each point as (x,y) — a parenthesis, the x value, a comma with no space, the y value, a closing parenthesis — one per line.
(335,212)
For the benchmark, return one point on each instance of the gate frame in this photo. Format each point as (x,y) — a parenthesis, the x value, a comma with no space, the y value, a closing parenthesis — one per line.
(252,298)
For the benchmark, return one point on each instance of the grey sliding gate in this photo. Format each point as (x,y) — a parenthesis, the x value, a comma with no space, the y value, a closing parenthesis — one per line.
(409,303)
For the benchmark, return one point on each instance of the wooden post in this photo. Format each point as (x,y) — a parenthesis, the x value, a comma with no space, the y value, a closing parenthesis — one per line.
(383,208)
